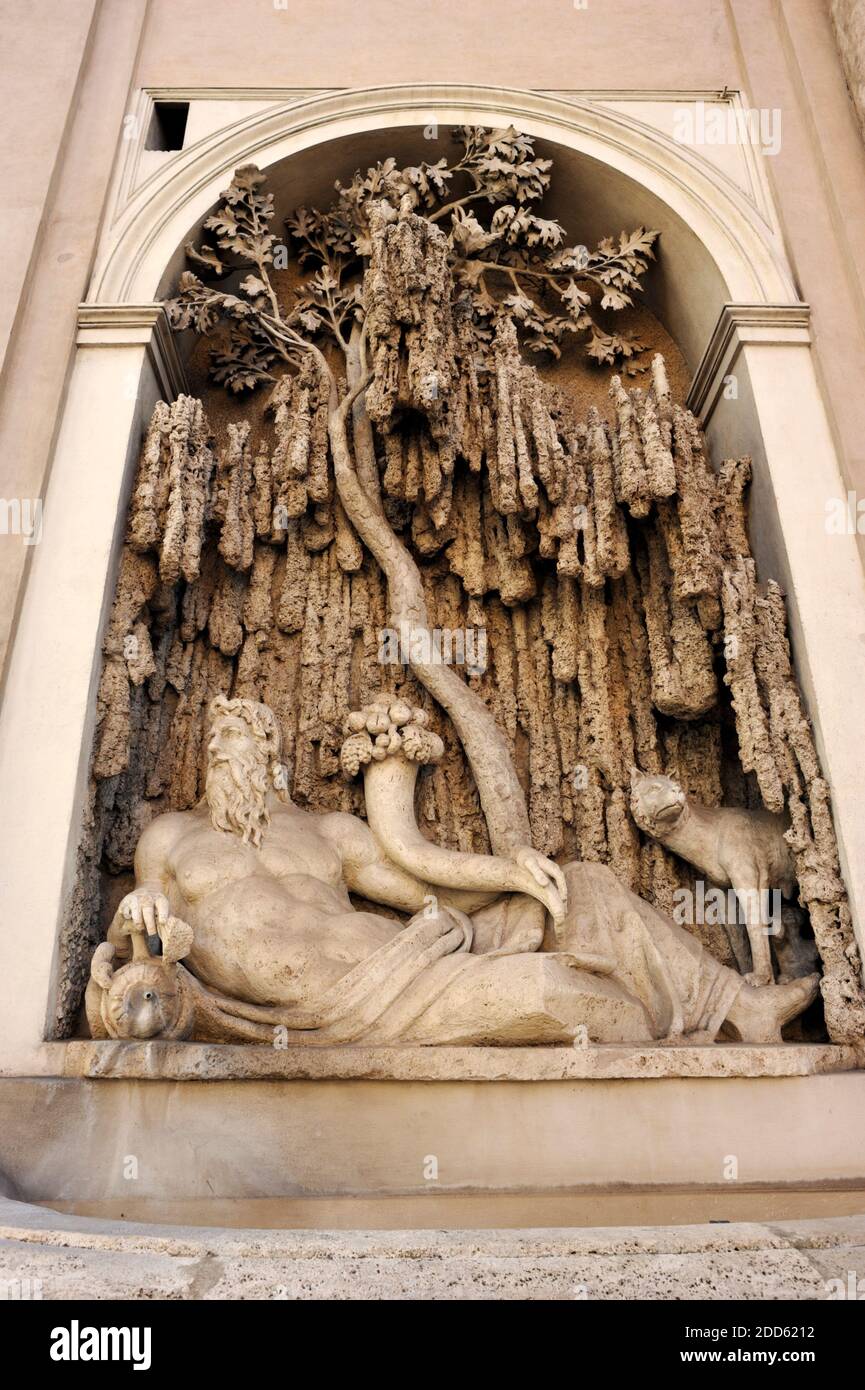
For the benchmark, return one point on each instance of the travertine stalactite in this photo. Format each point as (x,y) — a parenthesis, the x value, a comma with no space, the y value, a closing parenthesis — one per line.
(172,490)
(410,321)
(604,563)
(777,745)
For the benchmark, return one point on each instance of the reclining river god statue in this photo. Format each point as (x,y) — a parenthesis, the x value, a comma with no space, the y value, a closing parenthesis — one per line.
(497,949)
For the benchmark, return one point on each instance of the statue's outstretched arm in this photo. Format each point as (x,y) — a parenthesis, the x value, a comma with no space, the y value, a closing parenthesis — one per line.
(390,741)
(368,872)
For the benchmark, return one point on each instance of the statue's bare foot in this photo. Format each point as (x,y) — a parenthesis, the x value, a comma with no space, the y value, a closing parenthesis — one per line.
(760,1012)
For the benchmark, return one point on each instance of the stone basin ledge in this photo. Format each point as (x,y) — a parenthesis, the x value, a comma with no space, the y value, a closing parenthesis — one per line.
(190,1061)
(92,1258)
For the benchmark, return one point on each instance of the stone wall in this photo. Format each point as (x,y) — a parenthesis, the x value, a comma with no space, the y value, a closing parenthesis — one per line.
(848,21)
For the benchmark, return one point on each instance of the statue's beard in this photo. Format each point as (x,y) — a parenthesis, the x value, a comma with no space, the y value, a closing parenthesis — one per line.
(236,790)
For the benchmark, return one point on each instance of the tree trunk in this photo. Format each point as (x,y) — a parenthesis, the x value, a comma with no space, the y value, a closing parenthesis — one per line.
(486,748)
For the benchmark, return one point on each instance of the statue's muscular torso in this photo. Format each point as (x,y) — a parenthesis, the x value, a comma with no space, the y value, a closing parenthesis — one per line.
(306,933)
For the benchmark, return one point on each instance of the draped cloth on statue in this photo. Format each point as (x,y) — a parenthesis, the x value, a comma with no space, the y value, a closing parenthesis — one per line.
(640,976)
(686,992)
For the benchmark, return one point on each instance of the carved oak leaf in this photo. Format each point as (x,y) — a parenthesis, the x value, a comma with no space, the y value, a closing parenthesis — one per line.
(615,299)
(247,178)
(468,235)
(310,320)
(253,286)
(223,222)
(430,180)
(206,258)
(574,298)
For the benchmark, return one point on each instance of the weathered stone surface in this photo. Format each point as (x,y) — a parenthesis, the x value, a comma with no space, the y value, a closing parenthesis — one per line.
(505,948)
(734,848)
(848,22)
(215,1140)
(76,1257)
(205,1062)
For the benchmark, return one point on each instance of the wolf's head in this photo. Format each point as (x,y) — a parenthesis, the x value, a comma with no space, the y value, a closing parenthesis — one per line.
(657,803)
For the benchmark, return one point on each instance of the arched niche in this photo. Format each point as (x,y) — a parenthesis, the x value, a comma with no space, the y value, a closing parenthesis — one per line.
(718,246)
(724,292)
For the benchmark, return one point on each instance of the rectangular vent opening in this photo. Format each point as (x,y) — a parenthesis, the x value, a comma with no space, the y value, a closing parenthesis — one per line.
(168,125)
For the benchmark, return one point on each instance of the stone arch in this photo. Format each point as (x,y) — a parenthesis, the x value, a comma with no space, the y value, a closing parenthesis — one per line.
(736,246)
(738,310)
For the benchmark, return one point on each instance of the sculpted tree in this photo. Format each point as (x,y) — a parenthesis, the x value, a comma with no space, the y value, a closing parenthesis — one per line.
(607,559)
(420,287)
(512,265)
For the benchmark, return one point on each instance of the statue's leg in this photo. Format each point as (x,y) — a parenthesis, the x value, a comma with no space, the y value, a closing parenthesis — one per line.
(687,992)
(751,901)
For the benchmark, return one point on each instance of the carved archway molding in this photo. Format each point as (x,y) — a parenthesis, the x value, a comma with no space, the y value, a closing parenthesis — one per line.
(126,359)
(742,239)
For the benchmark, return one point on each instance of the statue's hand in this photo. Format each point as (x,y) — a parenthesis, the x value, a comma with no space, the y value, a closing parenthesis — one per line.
(441,920)
(549,878)
(145,909)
